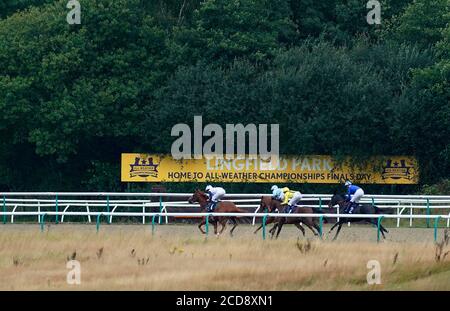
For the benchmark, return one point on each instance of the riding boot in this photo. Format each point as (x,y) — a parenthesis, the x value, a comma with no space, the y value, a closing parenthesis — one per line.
(351,208)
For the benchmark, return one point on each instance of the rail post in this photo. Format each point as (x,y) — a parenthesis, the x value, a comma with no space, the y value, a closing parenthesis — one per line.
(207,224)
(378,227)
(321,227)
(160,209)
(428,213)
(436,223)
(42,221)
(107,209)
(153,223)
(4,210)
(320,203)
(98,221)
(56,208)
(373,202)
(264,227)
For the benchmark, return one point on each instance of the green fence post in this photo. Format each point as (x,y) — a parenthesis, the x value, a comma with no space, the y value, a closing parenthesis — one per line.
(264,227)
(42,218)
(153,223)
(436,222)
(56,207)
(160,209)
(321,227)
(378,227)
(98,221)
(207,224)
(373,202)
(4,210)
(107,208)
(320,203)
(428,213)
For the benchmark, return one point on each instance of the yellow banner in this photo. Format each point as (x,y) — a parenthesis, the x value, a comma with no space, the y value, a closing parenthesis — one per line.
(138,167)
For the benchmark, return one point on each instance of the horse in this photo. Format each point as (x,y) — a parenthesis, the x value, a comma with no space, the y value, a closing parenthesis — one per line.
(221,207)
(338,199)
(309,222)
(269,205)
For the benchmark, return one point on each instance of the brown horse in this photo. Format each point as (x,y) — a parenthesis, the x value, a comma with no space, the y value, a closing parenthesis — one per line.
(310,222)
(269,205)
(221,207)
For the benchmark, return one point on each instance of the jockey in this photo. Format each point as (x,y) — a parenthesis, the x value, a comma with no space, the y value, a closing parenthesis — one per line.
(277,193)
(286,196)
(354,195)
(215,194)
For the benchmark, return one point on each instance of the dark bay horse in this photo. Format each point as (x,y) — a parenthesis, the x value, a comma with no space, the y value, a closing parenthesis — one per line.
(367,208)
(221,207)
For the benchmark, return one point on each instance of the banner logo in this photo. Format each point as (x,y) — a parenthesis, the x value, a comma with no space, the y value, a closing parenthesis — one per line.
(396,170)
(143,168)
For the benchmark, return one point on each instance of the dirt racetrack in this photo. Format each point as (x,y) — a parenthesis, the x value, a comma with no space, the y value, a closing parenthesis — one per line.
(178,257)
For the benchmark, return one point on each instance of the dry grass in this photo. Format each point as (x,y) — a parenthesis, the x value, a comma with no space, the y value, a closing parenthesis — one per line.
(179,258)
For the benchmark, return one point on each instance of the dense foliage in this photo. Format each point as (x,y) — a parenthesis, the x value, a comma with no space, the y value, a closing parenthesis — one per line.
(73,97)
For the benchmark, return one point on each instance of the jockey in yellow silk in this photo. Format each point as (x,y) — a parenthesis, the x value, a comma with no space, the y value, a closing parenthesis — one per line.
(286,196)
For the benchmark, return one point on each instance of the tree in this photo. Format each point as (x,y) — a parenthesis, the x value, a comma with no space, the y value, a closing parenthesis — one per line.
(224,30)
(422,22)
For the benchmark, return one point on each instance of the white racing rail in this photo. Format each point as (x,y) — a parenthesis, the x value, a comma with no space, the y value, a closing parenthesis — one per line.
(379,218)
(58,203)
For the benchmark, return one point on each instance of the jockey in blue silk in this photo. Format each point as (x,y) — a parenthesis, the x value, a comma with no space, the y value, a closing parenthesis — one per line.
(215,194)
(354,195)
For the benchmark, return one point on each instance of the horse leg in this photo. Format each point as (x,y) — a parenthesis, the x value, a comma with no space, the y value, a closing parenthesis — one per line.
(279,225)
(201,224)
(337,232)
(223,222)
(300,228)
(215,227)
(336,224)
(259,228)
(308,224)
(272,231)
(235,223)
(269,221)
(316,226)
(382,229)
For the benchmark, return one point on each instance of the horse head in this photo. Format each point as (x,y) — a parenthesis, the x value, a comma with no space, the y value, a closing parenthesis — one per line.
(337,199)
(268,204)
(198,197)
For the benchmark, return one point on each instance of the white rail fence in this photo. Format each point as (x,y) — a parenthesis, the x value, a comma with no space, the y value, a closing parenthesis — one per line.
(379,218)
(39,203)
